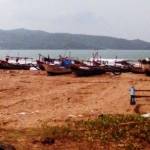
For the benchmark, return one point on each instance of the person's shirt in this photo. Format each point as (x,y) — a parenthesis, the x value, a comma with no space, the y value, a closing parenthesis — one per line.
(132,91)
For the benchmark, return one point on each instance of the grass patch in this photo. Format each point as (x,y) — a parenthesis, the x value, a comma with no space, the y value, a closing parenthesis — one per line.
(106,128)
(127,130)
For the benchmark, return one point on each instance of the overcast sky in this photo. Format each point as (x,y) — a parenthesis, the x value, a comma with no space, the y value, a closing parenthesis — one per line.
(119,18)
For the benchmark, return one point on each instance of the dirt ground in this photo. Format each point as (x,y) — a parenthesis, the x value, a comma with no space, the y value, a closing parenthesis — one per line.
(27,98)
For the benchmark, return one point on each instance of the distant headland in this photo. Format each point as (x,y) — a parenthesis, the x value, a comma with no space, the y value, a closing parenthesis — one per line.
(36,39)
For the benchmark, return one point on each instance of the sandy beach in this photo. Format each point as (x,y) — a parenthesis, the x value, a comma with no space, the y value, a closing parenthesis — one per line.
(28,98)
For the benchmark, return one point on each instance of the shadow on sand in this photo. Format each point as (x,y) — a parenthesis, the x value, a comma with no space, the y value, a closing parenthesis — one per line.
(142,96)
(138,107)
(143,90)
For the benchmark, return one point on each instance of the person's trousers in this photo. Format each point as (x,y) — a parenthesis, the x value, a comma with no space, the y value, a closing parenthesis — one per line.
(132,100)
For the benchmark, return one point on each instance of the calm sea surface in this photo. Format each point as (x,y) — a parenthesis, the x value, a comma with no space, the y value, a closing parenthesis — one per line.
(82,54)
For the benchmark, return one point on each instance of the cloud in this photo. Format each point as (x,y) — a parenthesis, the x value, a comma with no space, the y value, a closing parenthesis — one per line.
(121,18)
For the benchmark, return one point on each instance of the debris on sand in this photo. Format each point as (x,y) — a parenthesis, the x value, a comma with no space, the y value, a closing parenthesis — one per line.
(48,141)
(147,115)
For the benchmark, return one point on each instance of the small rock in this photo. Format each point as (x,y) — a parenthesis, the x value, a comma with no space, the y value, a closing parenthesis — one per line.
(22,113)
(35,141)
(80,115)
(48,140)
(72,116)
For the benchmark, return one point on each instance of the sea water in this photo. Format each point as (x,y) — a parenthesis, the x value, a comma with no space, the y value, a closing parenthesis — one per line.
(80,54)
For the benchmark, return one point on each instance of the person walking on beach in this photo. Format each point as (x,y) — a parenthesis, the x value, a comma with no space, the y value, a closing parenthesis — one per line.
(132,95)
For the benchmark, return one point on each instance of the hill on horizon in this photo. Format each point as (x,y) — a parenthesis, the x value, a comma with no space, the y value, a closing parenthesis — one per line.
(36,39)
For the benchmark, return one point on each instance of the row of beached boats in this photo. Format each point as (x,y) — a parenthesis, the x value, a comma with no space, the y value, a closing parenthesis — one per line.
(94,66)
(67,65)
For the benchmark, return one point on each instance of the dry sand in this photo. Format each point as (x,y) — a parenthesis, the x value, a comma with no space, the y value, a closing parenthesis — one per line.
(29,98)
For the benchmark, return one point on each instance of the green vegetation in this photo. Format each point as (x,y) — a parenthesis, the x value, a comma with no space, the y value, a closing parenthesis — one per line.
(127,131)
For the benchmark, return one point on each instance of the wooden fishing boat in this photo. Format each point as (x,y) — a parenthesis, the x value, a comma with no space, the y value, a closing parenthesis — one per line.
(145,63)
(94,68)
(53,69)
(137,70)
(43,60)
(12,66)
(61,61)
(84,70)
(17,63)
(127,66)
(40,65)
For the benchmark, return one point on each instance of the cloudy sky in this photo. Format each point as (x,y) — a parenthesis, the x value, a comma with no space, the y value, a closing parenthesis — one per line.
(119,18)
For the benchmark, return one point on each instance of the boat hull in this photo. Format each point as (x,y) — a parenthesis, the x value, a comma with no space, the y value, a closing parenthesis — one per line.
(10,66)
(56,70)
(87,71)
